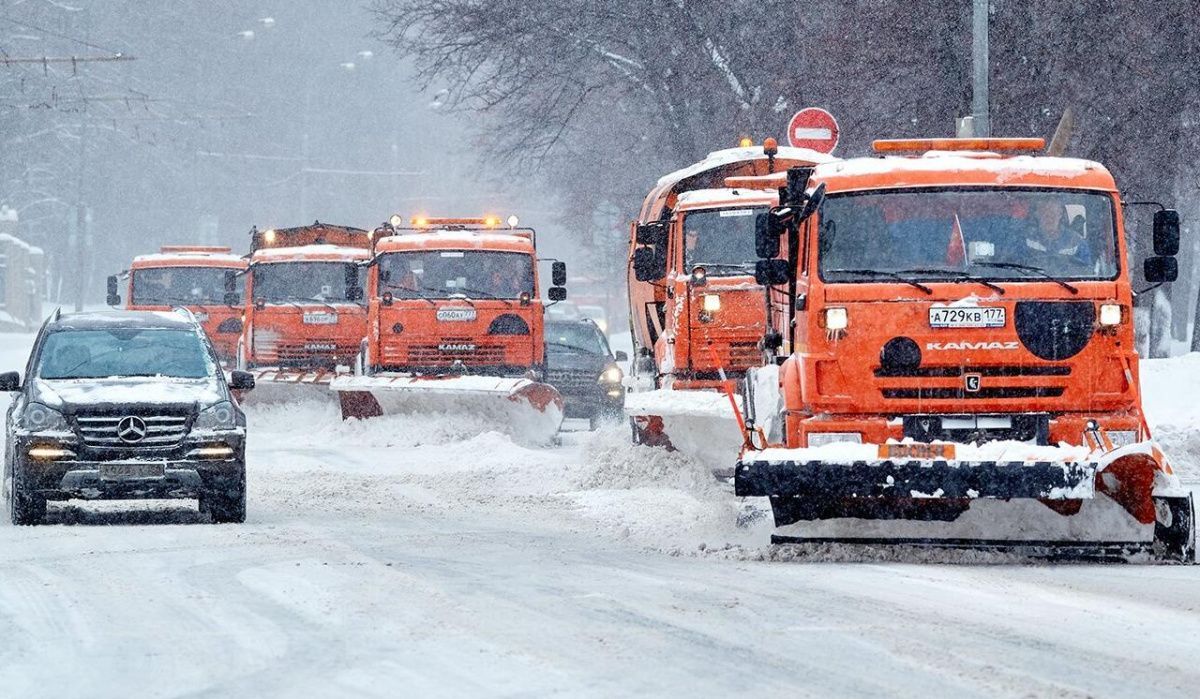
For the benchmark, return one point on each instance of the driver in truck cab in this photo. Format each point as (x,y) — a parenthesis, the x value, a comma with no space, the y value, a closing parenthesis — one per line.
(1052,234)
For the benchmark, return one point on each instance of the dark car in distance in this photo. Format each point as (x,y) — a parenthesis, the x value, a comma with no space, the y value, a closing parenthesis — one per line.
(124,405)
(581,366)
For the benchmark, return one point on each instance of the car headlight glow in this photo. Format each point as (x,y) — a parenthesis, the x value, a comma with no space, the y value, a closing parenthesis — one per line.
(711,303)
(836,318)
(611,375)
(820,439)
(1110,314)
(40,418)
(220,416)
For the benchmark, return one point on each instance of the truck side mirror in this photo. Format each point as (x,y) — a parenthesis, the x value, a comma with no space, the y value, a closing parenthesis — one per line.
(557,293)
(1166,232)
(10,382)
(772,272)
(558,273)
(649,264)
(653,233)
(114,298)
(1161,270)
(767,231)
(621,356)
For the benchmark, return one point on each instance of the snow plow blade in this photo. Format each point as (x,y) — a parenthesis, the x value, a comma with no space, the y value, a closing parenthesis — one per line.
(528,410)
(916,478)
(700,424)
(274,386)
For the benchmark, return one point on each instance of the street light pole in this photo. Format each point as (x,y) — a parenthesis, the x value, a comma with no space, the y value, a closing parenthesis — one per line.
(979,53)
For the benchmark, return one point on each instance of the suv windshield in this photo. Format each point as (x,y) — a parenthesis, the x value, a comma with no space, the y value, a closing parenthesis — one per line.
(167,286)
(721,240)
(281,282)
(575,337)
(999,234)
(445,273)
(92,354)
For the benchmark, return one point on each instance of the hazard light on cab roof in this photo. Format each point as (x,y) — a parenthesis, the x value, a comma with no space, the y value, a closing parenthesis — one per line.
(997,145)
(423,222)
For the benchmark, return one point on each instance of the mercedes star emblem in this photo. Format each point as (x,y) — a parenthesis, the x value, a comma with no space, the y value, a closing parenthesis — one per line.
(131,429)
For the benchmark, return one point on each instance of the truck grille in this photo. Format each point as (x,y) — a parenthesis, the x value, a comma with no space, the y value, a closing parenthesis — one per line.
(161,431)
(268,351)
(930,393)
(449,350)
(956,371)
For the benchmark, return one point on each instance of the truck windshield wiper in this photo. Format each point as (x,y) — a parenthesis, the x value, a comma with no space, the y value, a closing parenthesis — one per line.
(1034,270)
(957,274)
(880,273)
(484,294)
(413,292)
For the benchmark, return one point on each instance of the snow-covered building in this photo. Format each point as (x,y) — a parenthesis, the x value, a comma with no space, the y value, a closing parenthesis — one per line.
(22,277)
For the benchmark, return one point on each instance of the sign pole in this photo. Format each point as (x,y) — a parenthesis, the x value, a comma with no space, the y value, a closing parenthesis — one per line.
(979,53)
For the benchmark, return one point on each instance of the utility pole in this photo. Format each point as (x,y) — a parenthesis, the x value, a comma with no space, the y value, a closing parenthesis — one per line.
(979,53)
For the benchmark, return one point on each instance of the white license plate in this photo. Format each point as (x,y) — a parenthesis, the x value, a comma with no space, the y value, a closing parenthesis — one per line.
(127,471)
(967,317)
(202,317)
(320,318)
(456,315)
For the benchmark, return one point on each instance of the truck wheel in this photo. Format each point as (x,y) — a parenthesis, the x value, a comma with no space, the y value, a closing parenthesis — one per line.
(23,508)
(1175,529)
(225,502)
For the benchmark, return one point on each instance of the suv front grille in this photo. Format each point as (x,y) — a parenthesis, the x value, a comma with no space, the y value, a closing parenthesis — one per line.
(162,431)
(572,381)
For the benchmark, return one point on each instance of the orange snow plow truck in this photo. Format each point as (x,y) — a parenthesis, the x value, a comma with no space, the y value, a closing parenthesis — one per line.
(202,279)
(697,315)
(305,315)
(960,369)
(455,326)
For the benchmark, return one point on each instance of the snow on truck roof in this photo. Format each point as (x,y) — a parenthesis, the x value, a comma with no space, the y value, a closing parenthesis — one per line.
(311,253)
(730,156)
(941,168)
(457,240)
(189,259)
(725,198)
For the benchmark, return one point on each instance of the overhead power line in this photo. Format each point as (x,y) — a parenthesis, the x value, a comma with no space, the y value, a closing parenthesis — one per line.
(57,34)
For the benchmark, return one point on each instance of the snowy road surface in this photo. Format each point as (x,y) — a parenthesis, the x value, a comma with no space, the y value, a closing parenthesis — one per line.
(410,557)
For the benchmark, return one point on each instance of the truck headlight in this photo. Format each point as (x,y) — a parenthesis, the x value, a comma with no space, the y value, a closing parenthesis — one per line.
(836,318)
(220,416)
(820,439)
(711,303)
(40,418)
(611,375)
(1110,314)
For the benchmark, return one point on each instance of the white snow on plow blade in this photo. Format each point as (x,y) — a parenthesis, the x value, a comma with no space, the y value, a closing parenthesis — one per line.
(668,402)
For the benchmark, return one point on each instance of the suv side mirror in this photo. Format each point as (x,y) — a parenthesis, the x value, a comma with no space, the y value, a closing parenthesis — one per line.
(10,382)
(772,272)
(620,356)
(558,273)
(1160,270)
(653,233)
(649,264)
(1166,232)
(241,380)
(114,298)
(767,231)
(557,293)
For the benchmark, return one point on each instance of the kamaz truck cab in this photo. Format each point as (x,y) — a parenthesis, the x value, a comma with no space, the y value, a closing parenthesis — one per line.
(305,314)
(199,278)
(959,343)
(455,317)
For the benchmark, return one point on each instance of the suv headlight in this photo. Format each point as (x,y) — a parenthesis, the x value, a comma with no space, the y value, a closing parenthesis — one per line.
(40,418)
(220,416)
(611,375)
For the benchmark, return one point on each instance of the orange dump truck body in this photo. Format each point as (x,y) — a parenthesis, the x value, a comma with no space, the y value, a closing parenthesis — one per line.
(445,297)
(192,277)
(303,297)
(676,340)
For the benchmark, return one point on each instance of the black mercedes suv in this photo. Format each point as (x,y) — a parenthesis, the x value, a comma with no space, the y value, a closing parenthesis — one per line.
(124,405)
(581,366)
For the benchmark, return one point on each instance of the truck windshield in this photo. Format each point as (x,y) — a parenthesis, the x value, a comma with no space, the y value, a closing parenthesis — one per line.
(285,282)
(92,354)
(179,286)
(446,273)
(997,234)
(720,240)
